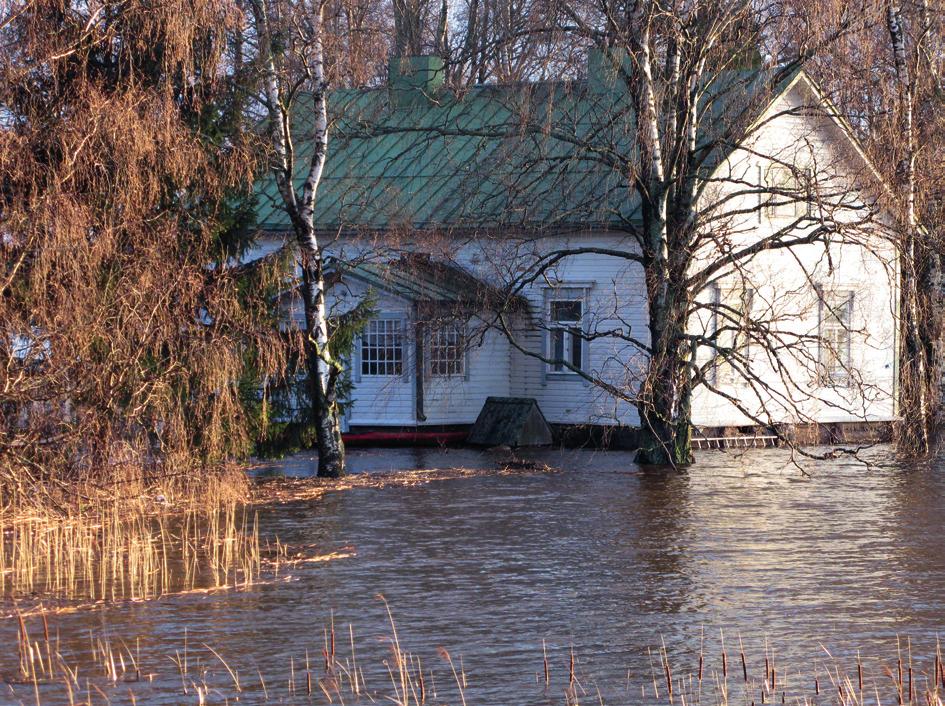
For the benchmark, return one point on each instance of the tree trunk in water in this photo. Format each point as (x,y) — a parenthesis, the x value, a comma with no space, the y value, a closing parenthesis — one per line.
(916,381)
(331,447)
(665,405)
(322,368)
(664,441)
(664,399)
(917,370)
(322,374)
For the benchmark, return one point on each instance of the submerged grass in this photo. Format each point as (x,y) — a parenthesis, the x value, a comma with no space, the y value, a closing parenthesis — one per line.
(199,673)
(138,544)
(269,491)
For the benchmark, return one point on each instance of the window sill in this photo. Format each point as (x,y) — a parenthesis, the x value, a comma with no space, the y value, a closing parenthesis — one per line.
(563,376)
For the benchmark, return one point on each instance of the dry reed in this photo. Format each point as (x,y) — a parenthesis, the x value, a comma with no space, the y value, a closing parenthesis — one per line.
(111,668)
(148,544)
(88,556)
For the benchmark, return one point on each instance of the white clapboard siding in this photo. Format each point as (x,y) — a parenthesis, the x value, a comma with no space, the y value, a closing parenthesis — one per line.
(458,399)
(784,283)
(615,299)
(381,400)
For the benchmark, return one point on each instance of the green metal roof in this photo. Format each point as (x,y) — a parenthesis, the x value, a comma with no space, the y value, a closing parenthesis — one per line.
(510,155)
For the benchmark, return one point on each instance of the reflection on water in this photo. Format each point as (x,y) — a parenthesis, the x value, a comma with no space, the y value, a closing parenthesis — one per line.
(604,557)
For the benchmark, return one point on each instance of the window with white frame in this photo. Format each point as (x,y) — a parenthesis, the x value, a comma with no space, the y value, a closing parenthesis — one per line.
(790,193)
(382,347)
(447,350)
(566,339)
(733,328)
(836,315)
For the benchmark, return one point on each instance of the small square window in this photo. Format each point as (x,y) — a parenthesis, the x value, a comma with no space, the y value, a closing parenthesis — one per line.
(562,311)
(790,198)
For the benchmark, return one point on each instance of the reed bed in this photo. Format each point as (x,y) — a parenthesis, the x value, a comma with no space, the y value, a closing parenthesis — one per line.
(117,555)
(333,671)
(128,540)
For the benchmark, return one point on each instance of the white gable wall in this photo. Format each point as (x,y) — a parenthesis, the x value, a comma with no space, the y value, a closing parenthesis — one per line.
(785,280)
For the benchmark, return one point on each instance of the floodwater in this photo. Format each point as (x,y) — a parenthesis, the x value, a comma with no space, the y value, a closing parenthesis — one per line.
(602,559)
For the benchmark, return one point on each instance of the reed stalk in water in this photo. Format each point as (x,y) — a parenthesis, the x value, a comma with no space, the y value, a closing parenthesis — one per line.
(114,670)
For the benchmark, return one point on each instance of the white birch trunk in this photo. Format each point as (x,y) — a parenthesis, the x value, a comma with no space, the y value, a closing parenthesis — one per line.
(664,404)
(323,370)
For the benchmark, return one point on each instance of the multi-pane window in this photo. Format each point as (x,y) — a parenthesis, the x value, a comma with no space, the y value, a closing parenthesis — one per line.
(447,351)
(836,313)
(382,348)
(733,323)
(789,195)
(566,349)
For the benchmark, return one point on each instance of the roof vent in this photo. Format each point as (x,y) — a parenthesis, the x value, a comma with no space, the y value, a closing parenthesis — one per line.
(415,78)
(604,74)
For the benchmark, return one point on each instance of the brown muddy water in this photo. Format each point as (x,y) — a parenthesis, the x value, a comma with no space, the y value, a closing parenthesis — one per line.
(601,559)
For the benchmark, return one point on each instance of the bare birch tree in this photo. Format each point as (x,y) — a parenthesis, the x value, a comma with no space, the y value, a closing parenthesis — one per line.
(303,50)
(291,54)
(915,364)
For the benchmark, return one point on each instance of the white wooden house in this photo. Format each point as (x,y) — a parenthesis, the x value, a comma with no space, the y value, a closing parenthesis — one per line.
(413,169)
